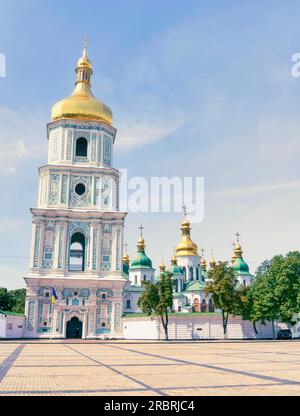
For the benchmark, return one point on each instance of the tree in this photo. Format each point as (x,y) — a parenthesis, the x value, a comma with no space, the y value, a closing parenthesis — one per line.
(17,300)
(157,299)
(222,285)
(4,299)
(245,304)
(277,293)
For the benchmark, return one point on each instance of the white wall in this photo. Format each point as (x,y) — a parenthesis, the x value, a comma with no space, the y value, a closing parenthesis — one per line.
(195,327)
(11,326)
(140,329)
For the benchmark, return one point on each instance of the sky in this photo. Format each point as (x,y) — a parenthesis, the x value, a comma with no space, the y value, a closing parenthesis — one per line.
(197,89)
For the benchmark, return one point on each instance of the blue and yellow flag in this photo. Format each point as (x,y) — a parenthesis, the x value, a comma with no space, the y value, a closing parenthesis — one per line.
(54,296)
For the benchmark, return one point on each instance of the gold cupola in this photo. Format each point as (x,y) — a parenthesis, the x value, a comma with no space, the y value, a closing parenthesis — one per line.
(162,266)
(233,257)
(212,262)
(81,104)
(186,247)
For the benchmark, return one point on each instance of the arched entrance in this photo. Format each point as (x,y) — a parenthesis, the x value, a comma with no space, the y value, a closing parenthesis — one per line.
(74,328)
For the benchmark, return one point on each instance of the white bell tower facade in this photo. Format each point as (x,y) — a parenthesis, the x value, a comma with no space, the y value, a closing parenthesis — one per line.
(77,228)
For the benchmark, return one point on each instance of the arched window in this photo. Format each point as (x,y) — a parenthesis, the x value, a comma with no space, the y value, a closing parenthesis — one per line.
(191,273)
(81,147)
(176,285)
(128,304)
(77,250)
(197,273)
(184,273)
(211,307)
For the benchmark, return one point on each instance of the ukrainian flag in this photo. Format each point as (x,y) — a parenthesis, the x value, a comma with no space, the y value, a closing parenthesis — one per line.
(54,296)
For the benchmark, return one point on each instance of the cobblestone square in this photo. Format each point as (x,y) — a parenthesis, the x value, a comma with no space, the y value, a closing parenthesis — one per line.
(156,369)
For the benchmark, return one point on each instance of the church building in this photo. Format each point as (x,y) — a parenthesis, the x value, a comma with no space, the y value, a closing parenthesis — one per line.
(79,284)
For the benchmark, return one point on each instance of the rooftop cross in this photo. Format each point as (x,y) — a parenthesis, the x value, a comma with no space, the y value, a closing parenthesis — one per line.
(237,237)
(184,211)
(126,247)
(85,41)
(202,252)
(141,228)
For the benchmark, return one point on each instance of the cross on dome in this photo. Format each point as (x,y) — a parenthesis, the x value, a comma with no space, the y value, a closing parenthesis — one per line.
(141,228)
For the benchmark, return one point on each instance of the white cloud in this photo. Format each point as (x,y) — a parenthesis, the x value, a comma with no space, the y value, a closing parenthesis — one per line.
(22,137)
(255,189)
(138,131)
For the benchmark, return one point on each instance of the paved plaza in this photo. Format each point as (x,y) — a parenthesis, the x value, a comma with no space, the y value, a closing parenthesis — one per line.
(156,369)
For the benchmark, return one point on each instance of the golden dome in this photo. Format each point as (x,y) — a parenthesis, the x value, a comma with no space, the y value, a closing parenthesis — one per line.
(186,247)
(203,264)
(238,250)
(126,259)
(82,104)
(141,244)
(162,266)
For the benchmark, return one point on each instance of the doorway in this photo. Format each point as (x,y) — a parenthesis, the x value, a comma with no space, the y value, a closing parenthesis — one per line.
(74,328)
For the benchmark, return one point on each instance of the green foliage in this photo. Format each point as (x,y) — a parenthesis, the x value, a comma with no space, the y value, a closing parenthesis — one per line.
(17,300)
(157,299)
(13,300)
(277,290)
(4,299)
(222,285)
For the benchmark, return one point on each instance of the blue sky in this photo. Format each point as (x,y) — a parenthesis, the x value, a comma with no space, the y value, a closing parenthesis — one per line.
(196,89)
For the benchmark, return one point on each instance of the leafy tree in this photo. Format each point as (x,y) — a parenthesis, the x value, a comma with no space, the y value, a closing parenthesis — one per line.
(17,300)
(276,290)
(157,299)
(4,299)
(222,285)
(263,268)
(245,304)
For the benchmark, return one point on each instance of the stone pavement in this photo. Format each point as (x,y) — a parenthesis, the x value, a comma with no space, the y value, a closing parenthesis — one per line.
(156,369)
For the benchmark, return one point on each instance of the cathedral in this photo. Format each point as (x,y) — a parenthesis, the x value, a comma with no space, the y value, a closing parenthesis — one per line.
(77,233)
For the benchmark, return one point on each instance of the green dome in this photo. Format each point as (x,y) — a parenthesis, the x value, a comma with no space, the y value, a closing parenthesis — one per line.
(141,261)
(240,266)
(175,269)
(125,268)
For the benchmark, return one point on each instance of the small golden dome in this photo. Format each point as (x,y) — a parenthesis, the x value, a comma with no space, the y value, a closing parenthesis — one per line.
(141,244)
(126,259)
(82,104)
(238,250)
(162,266)
(203,264)
(186,247)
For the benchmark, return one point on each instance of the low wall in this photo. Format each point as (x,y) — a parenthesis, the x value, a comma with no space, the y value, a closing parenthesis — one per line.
(11,326)
(195,327)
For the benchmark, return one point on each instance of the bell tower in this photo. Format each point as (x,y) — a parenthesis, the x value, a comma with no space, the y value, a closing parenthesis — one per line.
(77,228)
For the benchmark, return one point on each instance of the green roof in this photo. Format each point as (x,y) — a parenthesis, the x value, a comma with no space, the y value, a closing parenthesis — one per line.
(178,295)
(141,261)
(175,269)
(11,313)
(135,289)
(194,285)
(240,266)
(125,268)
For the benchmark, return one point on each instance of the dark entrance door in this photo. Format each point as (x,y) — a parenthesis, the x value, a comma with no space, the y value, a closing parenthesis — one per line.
(74,328)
